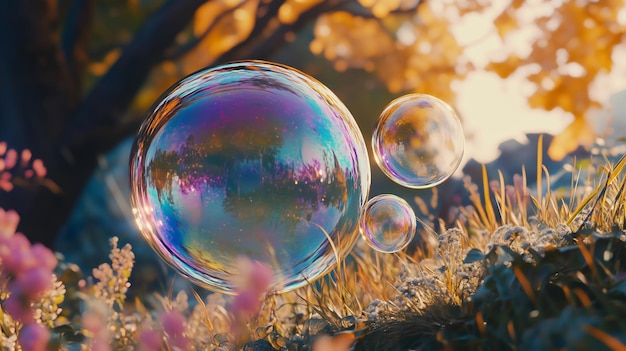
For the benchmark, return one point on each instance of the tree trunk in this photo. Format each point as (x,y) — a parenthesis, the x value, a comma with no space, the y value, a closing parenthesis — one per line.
(36,90)
(40,110)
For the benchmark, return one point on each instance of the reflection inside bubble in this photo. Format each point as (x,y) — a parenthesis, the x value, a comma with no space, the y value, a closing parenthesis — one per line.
(418,141)
(388,223)
(249,159)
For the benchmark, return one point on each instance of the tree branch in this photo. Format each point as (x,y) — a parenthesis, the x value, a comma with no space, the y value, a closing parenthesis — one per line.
(35,89)
(93,128)
(111,96)
(36,94)
(181,50)
(75,35)
(268,12)
(264,44)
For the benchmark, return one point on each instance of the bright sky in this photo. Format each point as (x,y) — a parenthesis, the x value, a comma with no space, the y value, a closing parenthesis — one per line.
(494,110)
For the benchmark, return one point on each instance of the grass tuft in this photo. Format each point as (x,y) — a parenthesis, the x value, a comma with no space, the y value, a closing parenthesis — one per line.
(517,269)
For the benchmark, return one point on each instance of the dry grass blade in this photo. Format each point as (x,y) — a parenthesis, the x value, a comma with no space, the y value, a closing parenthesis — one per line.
(608,340)
(547,209)
(525,284)
(503,202)
(619,215)
(539,172)
(207,318)
(491,216)
(588,257)
(523,201)
(615,172)
(480,219)
(552,213)
(339,271)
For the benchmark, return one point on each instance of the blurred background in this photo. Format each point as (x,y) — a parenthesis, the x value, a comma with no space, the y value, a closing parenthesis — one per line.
(77,77)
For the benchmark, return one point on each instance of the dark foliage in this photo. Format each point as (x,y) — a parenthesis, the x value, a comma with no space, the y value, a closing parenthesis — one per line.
(570,298)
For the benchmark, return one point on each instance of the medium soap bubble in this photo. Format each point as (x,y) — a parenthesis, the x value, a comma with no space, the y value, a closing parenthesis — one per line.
(418,141)
(249,159)
(388,223)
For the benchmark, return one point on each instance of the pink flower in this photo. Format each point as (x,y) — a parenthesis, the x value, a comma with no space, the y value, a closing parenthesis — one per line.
(25,157)
(261,278)
(494,186)
(15,253)
(94,322)
(5,182)
(8,222)
(520,191)
(174,327)
(10,159)
(39,169)
(253,275)
(12,165)
(29,270)
(34,282)
(44,256)
(100,345)
(251,285)
(150,340)
(17,306)
(34,337)
(246,303)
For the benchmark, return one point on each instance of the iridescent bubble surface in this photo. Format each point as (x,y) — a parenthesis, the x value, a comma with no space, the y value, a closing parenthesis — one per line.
(388,223)
(249,159)
(418,141)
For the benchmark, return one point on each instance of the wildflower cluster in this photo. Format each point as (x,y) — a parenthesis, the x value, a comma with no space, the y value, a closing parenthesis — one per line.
(18,168)
(251,285)
(105,318)
(26,274)
(113,284)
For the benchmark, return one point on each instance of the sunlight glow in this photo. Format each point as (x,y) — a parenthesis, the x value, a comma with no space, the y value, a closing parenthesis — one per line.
(493,110)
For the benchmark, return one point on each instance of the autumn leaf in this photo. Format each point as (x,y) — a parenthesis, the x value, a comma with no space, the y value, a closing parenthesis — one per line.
(505,68)
(290,11)
(579,132)
(506,22)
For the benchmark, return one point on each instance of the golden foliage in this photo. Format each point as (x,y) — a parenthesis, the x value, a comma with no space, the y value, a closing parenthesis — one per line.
(99,68)
(577,133)
(290,11)
(574,46)
(412,50)
(228,21)
(411,45)
(220,25)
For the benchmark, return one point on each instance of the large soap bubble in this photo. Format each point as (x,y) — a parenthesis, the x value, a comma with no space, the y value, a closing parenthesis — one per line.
(388,223)
(249,159)
(418,141)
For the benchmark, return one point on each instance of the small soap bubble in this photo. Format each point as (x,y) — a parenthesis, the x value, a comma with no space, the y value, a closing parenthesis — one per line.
(388,223)
(418,141)
(249,159)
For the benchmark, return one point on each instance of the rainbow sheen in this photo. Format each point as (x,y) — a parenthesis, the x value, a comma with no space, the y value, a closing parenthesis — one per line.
(388,223)
(249,159)
(418,141)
